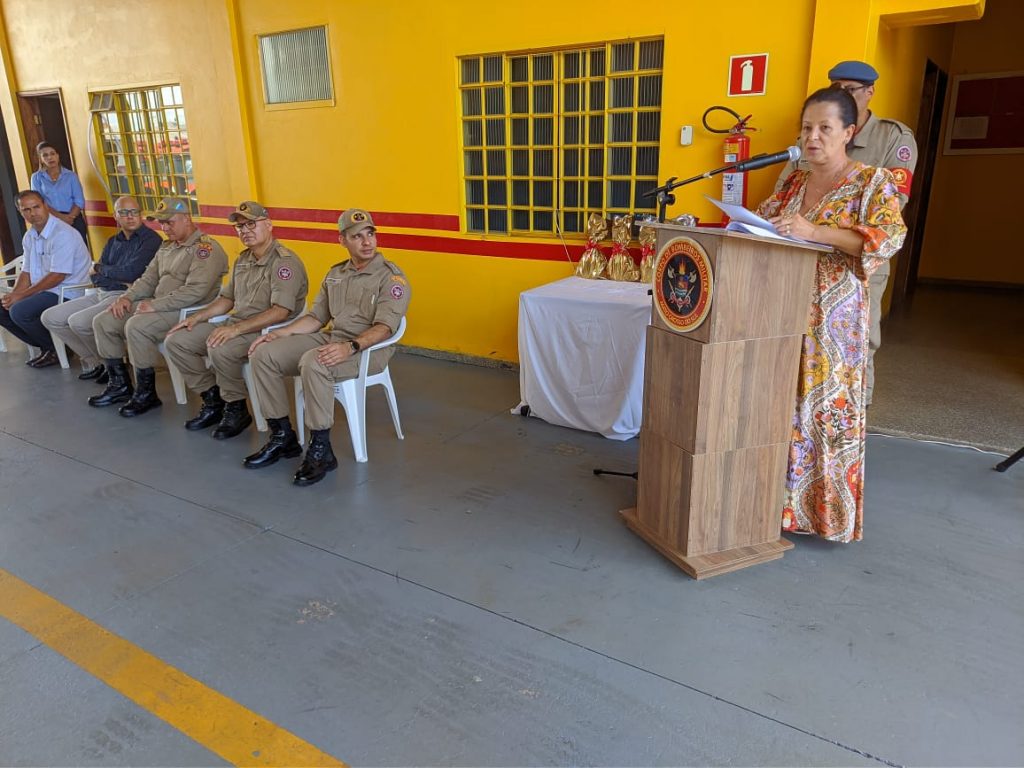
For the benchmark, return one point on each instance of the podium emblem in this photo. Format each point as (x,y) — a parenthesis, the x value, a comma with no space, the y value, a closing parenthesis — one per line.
(683,284)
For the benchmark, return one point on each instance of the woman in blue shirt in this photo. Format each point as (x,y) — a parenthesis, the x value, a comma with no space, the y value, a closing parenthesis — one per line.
(60,188)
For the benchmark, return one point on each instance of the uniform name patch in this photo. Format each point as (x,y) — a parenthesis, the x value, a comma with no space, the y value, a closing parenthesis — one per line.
(397,291)
(285,273)
(904,153)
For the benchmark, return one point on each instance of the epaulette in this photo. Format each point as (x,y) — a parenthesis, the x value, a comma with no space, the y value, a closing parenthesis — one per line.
(339,264)
(393,267)
(902,126)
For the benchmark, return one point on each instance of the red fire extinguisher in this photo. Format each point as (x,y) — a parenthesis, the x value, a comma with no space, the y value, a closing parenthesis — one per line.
(735,149)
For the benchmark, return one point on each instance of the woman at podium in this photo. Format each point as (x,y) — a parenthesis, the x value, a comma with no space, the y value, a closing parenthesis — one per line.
(855,209)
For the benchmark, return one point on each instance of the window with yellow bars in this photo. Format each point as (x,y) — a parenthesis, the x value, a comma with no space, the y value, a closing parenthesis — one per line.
(550,137)
(144,144)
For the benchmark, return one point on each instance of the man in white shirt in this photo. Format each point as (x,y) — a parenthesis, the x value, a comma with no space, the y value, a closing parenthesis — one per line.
(55,255)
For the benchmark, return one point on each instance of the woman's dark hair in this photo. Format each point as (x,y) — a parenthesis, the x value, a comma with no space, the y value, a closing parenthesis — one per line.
(45,145)
(844,103)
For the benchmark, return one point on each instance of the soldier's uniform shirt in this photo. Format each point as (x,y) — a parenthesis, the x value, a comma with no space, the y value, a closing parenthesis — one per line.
(256,284)
(352,301)
(278,278)
(881,143)
(180,275)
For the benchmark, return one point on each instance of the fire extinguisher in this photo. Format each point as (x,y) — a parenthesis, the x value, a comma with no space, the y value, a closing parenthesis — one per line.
(736,148)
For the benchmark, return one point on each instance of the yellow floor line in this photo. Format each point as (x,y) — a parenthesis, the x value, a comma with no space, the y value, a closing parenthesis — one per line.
(223,726)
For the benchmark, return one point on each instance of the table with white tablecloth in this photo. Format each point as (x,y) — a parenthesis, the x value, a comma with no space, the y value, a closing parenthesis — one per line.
(581,354)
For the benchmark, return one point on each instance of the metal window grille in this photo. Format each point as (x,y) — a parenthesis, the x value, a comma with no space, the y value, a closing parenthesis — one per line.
(296,66)
(550,137)
(144,144)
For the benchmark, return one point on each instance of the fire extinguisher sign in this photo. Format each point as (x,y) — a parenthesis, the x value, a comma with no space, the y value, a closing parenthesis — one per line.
(748,75)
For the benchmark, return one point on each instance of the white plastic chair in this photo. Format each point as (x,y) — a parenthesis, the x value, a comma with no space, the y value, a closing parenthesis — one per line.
(177,380)
(58,343)
(351,393)
(8,278)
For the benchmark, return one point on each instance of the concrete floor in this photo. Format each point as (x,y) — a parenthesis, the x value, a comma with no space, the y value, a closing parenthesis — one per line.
(951,367)
(469,596)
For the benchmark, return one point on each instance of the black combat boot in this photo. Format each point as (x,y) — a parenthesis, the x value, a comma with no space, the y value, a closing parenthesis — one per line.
(319,459)
(210,412)
(145,398)
(235,420)
(119,387)
(283,443)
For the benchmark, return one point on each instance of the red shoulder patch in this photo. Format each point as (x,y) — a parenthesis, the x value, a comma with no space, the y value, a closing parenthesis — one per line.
(903,180)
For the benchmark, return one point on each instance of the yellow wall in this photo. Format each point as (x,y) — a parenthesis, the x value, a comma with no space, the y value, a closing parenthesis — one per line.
(51,46)
(391,141)
(976,199)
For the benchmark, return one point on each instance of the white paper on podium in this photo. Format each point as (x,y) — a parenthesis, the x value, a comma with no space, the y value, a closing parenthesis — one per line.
(742,220)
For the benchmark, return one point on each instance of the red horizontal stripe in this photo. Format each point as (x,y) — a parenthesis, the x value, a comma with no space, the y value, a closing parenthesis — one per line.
(437,221)
(96,205)
(101,221)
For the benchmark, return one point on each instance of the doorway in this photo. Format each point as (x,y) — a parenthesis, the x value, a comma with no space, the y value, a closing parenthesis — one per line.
(42,117)
(929,126)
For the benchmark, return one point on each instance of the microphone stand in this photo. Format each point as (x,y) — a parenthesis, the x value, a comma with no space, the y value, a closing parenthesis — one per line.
(664,192)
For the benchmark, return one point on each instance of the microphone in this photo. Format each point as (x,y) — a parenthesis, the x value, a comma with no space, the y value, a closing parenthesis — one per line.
(760,161)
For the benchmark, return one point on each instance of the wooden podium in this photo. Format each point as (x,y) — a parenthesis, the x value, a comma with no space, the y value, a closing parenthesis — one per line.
(719,397)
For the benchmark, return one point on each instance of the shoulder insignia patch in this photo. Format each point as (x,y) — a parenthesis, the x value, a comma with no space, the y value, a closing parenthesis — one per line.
(904,153)
(285,273)
(397,291)
(204,250)
(903,179)
(399,279)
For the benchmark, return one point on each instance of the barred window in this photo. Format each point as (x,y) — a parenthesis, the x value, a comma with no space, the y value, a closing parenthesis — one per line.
(550,137)
(144,144)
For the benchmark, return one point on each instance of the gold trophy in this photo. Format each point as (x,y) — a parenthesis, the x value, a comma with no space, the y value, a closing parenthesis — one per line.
(648,238)
(591,265)
(621,265)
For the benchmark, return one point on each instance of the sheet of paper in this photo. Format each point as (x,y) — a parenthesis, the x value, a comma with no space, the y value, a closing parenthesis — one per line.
(742,220)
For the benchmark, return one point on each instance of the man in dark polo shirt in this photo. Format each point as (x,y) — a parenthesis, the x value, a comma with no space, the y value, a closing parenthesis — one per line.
(125,257)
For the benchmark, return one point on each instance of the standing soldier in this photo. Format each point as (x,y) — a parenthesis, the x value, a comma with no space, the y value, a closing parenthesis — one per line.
(881,143)
(186,271)
(363,299)
(267,286)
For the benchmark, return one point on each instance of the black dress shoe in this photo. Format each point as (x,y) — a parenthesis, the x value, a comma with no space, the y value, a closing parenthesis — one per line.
(282,445)
(44,360)
(92,373)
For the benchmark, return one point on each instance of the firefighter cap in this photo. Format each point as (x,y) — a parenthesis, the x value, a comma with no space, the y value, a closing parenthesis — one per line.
(168,207)
(355,220)
(250,210)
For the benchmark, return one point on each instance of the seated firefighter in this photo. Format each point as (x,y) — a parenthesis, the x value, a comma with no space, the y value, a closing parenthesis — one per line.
(267,286)
(363,299)
(186,271)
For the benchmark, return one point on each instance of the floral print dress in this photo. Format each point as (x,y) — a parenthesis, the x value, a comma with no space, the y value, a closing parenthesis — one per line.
(825,477)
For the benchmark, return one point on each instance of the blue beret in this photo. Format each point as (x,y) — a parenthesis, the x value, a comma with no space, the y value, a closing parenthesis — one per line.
(853,70)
